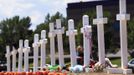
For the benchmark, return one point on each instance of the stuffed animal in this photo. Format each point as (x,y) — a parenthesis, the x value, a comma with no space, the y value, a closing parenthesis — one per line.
(76,69)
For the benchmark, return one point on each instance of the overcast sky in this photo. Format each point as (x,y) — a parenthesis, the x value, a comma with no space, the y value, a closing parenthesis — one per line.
(36,9)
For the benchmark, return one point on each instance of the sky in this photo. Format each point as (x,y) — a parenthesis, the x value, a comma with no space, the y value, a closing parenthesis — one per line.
(35,9)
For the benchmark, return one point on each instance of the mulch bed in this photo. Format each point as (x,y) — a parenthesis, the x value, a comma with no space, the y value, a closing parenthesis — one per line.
(95,74)
(54,73)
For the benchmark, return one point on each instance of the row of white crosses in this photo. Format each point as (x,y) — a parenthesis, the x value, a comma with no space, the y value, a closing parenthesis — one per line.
(42,44)
(71,33)
(86,30)
(21,49)
(26,50)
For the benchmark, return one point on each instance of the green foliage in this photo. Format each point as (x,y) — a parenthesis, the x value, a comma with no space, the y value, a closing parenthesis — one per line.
(131,34)
(107,30)
(45,26)
(12,30)
(15,28)
(49,19)
(117,61)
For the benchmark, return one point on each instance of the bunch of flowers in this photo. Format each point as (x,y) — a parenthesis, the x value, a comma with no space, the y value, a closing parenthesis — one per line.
(98,67)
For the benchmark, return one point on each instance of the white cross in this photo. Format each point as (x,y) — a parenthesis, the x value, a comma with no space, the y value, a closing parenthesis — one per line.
(52,42)
(123,17)
(36,48)
(43,42)
(20,51)
(26,51)
(8,54)
(71,33)
(86,30)
(59,33)
(100,21)
(14,52)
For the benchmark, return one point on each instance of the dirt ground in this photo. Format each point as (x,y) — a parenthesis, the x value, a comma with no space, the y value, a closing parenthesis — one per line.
(96,74)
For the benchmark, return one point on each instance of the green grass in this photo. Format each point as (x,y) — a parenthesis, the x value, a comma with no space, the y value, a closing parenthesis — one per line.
(117,61)
(39,61)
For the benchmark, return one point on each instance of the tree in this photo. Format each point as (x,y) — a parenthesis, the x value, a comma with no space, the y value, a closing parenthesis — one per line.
(107,30)
(131,34)
(45,26)
(49,19)
(13,29)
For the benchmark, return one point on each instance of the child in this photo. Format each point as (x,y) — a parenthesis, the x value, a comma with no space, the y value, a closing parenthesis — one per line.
(80,55)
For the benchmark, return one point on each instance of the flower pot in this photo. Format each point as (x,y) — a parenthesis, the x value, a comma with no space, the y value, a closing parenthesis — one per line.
(38,73)
(45,72)
(51,73)
(29,73)
(23,73)
(1,73)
